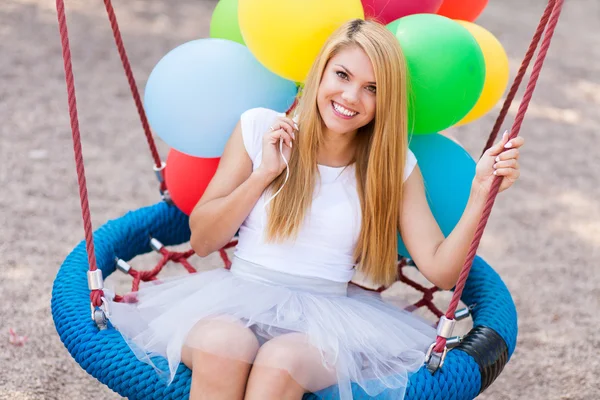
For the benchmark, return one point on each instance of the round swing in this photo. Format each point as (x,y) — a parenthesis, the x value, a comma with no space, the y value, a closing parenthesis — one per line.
(456,367)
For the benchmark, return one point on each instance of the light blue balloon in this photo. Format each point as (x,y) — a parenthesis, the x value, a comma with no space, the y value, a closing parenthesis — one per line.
(448,171)
(196,93)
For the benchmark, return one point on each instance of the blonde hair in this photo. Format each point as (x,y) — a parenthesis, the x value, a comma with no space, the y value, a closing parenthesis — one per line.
(380,152)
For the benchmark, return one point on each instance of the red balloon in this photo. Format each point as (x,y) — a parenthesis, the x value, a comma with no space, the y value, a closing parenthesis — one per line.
(386,11)
(466,10)
(187,178)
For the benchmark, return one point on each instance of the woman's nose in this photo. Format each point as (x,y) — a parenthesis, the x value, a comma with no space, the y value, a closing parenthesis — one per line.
(349,96)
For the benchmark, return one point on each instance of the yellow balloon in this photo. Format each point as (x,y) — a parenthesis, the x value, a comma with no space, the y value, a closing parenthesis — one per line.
(496,71)
(287,35)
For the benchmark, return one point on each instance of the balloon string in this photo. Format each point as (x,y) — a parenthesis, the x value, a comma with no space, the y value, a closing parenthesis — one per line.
(287,173)
(287,166)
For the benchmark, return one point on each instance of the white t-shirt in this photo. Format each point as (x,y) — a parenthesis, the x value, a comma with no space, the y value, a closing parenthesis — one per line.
(325,244)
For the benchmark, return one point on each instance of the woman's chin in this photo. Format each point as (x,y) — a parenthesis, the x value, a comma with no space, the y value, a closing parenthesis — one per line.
(337,126)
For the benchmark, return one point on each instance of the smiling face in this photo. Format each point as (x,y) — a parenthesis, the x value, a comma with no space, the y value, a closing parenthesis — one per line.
(347,92)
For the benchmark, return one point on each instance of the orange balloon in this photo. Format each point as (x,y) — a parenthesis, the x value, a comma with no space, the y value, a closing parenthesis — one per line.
(187,178)
(466,10)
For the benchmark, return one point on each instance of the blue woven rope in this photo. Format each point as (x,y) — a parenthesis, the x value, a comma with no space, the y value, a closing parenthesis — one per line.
(106,356)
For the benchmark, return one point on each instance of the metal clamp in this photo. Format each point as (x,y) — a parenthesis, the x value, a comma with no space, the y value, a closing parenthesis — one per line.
(95,280)
(462,314)
(100,319)
(166,197)
(453,342)
(123,266)
(156,245)
(159,171)
(101,315)
(445,327)
(434,361)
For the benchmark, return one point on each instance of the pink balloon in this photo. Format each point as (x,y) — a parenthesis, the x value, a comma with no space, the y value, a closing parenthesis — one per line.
(386,11)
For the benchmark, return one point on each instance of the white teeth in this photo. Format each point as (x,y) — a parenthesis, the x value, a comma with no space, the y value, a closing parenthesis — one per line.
(343,110)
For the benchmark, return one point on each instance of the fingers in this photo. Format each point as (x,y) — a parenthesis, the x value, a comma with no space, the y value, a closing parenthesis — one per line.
(515,143)
(507,155)
(290,122)
(280,134)
(511,173)
(512,163)
(286,124)
(505,144)
(499,147)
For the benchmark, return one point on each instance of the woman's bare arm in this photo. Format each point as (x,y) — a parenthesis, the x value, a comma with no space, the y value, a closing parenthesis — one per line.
(228,199)
(439,259)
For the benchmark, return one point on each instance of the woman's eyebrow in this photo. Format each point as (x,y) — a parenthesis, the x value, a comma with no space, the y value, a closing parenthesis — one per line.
(351,74)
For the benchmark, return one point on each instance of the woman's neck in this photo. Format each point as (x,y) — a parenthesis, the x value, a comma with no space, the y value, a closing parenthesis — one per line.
(337,150)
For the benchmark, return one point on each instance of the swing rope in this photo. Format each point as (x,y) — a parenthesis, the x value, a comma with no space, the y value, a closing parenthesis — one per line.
(519,77)
(548,23)
(158,164)
(95,295)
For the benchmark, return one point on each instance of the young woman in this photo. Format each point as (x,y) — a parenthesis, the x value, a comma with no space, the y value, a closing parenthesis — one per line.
(314,201)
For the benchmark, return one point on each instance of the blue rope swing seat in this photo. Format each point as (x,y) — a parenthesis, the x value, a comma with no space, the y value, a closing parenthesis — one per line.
(468,369)
(456,368)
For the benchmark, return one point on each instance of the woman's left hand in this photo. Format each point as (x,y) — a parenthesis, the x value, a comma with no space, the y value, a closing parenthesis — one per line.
(502,159)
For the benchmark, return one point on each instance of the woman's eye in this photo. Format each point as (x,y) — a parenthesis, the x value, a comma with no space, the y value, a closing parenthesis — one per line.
(372,89)
(342,74)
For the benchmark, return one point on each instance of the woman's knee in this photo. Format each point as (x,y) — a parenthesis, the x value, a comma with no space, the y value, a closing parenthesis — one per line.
(223,337)
(287,352)
(292,354)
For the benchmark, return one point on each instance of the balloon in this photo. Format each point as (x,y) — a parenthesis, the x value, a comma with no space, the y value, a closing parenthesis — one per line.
(496,71)
(448,172)
(467,10)
(386,11)
(187,178)
(224,22)
(286,36)
(446,70)
(197,92)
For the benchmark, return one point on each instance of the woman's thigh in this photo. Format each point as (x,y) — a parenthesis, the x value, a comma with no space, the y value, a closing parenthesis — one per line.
(293,353)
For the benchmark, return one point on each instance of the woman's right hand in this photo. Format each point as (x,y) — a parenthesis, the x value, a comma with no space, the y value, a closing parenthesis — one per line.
(272,164)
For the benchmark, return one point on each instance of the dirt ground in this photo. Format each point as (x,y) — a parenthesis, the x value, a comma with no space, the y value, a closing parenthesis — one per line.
(543,236)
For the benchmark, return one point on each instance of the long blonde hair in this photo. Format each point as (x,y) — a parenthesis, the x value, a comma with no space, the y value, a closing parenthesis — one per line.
(380,152)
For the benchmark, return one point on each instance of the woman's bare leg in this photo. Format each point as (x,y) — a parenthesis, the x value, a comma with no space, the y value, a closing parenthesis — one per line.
(270,378)
(219,352)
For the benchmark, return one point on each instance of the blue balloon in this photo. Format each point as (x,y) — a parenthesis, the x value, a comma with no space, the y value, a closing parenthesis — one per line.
(448,171)
(196,93)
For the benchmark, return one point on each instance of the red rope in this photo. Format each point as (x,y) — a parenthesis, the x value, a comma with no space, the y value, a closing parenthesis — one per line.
(150,275)
(519,78)
(556,6)
(177,257)
(96,295)
(425,301)
(132,84)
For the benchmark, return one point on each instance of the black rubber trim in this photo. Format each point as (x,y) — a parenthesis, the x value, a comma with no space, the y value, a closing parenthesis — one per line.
(489,350)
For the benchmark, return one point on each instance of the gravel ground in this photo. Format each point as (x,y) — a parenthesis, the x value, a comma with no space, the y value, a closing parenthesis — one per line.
(543,236)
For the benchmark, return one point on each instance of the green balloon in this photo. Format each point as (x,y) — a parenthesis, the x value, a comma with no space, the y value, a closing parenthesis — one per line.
(446,70)
(224,23)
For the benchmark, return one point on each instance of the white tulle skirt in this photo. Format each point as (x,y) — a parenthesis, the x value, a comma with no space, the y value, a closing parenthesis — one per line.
(354,334)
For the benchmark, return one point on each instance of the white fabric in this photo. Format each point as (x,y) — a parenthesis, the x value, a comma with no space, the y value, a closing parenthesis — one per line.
(325,244)
(355,334)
